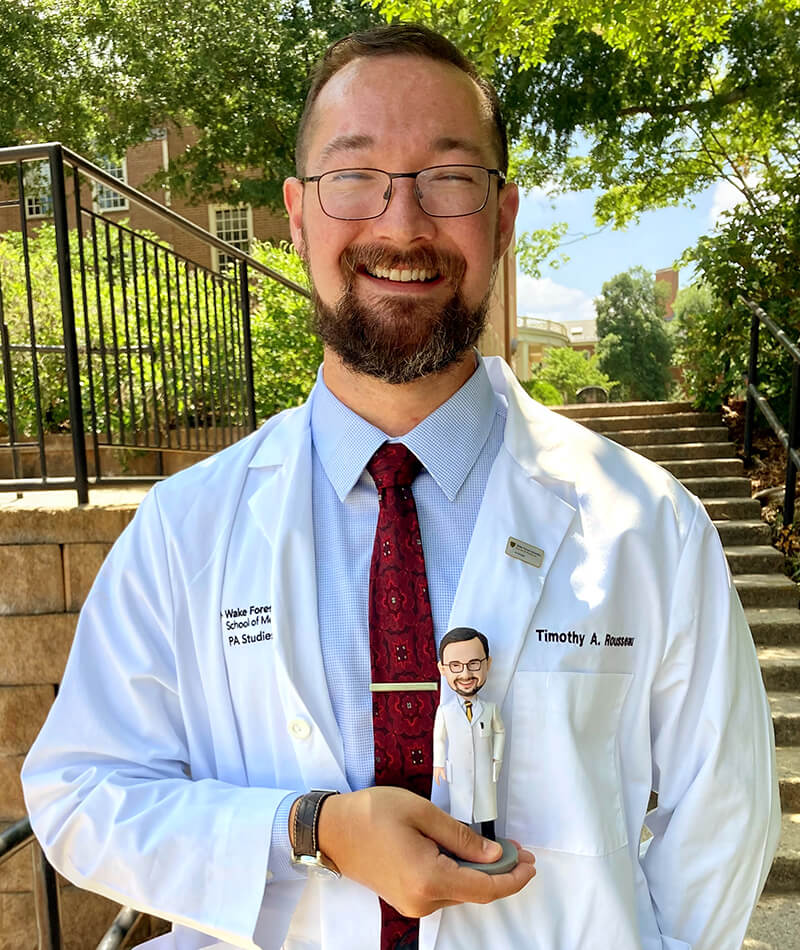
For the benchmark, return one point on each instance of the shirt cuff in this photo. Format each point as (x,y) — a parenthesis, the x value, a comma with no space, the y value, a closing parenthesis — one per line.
(280,867)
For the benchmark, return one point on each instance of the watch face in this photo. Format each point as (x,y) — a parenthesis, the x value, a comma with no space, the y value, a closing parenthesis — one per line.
(314,866)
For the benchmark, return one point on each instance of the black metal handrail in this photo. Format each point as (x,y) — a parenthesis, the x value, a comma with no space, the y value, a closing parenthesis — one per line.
(28,153)
(156,349)
(790,439)
(46,900)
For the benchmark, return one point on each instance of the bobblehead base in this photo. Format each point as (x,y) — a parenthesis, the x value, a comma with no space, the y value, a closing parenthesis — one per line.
(507,861)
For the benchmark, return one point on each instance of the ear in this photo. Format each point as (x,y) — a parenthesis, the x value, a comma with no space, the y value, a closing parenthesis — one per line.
(442,668)
(488,664)
(293,190)
(508,205)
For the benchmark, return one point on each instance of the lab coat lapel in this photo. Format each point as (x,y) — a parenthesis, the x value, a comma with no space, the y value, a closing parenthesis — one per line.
(497,594)
(282,508)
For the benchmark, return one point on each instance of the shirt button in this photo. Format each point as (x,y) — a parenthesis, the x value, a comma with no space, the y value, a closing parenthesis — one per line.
(299,728)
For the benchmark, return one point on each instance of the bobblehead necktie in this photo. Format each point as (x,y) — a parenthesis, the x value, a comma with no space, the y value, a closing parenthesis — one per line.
(405,677)
(468,709)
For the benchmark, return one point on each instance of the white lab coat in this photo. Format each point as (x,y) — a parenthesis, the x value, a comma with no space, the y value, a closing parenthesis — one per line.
(467,752)
(622,663)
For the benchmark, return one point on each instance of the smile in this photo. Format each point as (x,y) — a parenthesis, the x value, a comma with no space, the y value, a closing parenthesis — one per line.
(405,275)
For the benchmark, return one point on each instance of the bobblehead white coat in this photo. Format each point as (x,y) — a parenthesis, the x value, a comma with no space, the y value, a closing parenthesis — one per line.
(468,754)
(195,700)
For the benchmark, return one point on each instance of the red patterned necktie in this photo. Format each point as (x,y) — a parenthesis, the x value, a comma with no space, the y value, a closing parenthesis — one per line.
(403,650)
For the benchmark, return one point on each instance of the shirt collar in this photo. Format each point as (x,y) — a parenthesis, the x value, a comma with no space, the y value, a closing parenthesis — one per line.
(447,442)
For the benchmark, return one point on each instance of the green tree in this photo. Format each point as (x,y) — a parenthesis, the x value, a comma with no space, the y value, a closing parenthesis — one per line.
(103,74)
(650,104)
(286,354)
(568,371)
(634,346)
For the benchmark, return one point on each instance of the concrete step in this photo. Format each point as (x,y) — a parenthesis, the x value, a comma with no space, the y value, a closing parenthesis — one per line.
(704,468)
(774,626)
(682,420)
(732,509)
(785,873)
(591,410)
(743,532)
(686,450)
(767,590)
(635,437)
(788,758)
(775,924)
(786,718)
(754,559)
(718,487)
(780,666)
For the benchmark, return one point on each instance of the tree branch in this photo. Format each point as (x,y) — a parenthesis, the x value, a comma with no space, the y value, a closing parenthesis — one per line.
(727,99)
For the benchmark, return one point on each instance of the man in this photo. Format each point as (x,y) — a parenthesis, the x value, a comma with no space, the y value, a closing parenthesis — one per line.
(179,752)
(468,735)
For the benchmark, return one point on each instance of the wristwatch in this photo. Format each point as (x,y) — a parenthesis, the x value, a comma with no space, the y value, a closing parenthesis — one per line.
(305,852)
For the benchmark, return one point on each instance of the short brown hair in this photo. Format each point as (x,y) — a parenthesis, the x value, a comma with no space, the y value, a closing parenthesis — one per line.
(461,635)
(400,38)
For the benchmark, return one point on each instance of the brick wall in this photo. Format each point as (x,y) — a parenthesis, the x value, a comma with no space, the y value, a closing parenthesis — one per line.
(143,161)
(48,560)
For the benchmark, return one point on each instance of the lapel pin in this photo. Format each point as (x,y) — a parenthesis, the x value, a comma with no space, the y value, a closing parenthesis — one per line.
(523,551)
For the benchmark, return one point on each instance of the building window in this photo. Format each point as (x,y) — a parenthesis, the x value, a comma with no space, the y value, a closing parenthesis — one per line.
(105,198)
(38,191)
(234,225)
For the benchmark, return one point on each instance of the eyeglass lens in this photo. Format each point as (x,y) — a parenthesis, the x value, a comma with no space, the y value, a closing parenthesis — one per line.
(444,191)
(456,666)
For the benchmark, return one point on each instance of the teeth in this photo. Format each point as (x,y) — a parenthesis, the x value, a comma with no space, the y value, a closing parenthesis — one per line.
(404,276)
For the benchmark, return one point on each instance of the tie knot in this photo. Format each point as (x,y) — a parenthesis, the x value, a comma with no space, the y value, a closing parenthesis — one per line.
(393,465)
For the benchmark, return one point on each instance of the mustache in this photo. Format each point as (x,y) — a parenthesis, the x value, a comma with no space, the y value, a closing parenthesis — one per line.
(449,265)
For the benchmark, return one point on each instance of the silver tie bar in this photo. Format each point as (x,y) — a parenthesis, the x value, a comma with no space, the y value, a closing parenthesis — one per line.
(403,687)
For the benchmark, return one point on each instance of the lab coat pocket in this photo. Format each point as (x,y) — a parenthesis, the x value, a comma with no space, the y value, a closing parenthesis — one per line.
(564,776)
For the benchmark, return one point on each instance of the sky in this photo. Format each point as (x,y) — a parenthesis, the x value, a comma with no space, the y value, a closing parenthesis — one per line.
(567,292)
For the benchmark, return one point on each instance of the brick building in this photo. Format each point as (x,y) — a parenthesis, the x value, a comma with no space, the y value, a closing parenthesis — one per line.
(237,225)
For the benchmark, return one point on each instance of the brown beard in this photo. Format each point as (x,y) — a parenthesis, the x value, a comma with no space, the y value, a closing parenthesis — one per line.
(407,339)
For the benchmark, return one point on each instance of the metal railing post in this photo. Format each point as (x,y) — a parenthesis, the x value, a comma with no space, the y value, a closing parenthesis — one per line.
(68,319)
(250,394)
(794,442)
(45,895)
(752,381)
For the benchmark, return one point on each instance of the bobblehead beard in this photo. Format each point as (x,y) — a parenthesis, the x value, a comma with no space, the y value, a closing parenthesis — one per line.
(400,339)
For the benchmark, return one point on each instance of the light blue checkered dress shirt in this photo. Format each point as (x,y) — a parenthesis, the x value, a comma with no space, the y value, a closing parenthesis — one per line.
(457,445)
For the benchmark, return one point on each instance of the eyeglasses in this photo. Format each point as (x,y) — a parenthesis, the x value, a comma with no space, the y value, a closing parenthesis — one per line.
(443,191)
(456,666)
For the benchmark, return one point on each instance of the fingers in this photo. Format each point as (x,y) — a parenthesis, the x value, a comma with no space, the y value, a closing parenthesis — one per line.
(459,885)
(458,838)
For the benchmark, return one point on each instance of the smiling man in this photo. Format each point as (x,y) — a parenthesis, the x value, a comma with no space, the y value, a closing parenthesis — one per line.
(276,789)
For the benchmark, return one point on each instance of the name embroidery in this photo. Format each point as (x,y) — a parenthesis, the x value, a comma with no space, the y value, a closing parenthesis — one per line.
(255,618)
(572,636)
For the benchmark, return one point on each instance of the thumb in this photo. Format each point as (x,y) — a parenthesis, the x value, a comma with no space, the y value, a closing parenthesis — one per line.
(459,839)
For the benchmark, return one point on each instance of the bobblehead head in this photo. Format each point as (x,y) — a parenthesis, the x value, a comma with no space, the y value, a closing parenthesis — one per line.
(464,660)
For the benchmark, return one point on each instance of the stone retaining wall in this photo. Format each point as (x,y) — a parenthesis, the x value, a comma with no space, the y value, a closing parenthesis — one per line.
(48,560)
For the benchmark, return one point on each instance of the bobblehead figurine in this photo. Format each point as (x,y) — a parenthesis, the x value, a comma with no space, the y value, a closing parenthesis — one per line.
(468,740)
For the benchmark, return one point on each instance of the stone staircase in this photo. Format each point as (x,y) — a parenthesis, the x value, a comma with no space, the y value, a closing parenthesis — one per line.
(694,447)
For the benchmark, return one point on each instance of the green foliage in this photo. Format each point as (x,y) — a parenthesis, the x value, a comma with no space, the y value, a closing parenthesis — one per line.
(533,248)
(545,393)
(634,346)
(286,354)
(100,75)
(568,370)
(711,345)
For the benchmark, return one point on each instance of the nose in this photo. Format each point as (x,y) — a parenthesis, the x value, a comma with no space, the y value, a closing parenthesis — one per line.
(404,222)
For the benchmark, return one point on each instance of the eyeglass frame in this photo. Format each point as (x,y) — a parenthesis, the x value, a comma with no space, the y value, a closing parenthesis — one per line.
(501,179)
(463,666)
